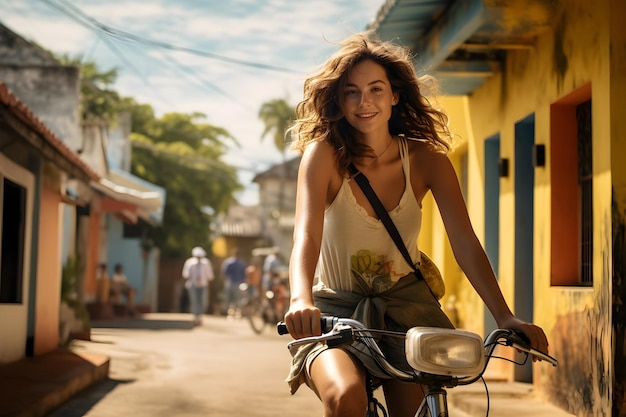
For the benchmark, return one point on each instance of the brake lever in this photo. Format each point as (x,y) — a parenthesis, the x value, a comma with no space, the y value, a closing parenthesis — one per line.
(340,336)
(525,347)
(344,336)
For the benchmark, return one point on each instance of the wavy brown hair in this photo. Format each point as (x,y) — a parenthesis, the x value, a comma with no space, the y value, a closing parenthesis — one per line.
(319,114)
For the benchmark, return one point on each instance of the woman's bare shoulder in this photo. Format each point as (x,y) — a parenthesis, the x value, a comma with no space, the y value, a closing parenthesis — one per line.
(319,166)
(423,151)
(318,154)
(429,163)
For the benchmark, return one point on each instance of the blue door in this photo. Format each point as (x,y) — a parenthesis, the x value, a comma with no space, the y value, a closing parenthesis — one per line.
(524,224)
(492,212)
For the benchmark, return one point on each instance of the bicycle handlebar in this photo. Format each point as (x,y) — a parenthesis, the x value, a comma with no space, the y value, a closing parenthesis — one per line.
(327,322)
(508,337)
(518,340)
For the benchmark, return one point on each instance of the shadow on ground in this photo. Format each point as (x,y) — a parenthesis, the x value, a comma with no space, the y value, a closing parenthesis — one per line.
(87,398)
(143,324)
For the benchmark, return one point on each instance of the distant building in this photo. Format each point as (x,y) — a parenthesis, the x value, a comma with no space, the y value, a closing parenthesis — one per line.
(56,176)
(277,199)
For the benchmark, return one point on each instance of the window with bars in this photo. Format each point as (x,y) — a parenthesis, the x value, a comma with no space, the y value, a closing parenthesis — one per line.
(585,184)
(571,178)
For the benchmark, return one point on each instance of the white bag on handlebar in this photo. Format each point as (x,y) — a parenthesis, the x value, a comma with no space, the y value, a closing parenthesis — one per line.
(445,351)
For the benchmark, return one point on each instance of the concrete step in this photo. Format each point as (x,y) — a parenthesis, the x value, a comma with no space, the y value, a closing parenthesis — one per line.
(32,387)
(506,399)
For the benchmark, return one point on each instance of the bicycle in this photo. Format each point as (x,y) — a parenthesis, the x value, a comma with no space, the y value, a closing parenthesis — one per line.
(260,310)
(440,358)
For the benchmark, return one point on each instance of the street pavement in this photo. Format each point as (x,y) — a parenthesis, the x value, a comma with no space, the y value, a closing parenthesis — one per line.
(161,365)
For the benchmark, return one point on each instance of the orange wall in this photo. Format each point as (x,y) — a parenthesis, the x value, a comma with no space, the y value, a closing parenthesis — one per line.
(48,297)
(564,199)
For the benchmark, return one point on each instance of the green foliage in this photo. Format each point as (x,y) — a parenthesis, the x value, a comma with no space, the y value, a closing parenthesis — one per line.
(183,156)
(277,115)
(177,152)
(69,278)
(97,99)
(142,115)
(69,290)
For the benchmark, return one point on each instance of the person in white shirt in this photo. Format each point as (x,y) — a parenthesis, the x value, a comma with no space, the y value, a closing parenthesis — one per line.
(198,271)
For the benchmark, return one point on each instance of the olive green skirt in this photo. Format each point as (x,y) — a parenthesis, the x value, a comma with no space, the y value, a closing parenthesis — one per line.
(408,303)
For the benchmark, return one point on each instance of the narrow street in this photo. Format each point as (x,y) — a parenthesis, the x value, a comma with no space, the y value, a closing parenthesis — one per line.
(162,366)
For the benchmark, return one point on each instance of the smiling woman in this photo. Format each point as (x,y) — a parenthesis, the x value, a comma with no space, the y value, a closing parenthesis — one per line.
(364,117)
(367,102)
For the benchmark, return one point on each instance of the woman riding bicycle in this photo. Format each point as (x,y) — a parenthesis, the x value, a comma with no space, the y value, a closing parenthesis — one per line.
(364,106)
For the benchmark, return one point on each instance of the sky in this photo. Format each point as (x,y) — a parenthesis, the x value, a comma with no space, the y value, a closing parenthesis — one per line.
(221,58)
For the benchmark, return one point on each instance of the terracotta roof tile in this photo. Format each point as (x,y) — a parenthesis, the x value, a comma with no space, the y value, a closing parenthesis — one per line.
(23,113)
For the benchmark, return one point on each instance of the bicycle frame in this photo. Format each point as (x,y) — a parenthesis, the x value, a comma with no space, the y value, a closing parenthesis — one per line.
(339,331)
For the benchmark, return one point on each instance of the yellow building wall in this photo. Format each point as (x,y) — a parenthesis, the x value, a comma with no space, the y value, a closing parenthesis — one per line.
(469,306)
(577,320)
(460,302)
(617,105)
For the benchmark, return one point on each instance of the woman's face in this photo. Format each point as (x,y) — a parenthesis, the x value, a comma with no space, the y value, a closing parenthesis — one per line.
(367,98)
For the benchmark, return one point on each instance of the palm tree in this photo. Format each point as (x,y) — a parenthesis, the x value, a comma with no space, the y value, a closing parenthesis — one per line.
(277,115)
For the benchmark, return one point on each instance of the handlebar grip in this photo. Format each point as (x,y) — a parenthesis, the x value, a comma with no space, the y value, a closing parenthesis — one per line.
(281,328)
(327,323)
(522,337)
(523,343)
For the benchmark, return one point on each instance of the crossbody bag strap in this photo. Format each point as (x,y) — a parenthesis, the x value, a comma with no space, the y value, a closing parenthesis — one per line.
(369,192)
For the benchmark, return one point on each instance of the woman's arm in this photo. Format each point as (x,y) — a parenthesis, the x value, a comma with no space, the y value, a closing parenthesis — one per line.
(468,251)
(314,179)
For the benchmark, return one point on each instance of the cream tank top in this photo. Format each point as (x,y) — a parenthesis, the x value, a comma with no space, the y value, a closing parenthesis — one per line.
(356,249)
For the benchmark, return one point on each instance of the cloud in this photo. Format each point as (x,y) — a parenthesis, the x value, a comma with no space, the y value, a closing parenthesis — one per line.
(282,33)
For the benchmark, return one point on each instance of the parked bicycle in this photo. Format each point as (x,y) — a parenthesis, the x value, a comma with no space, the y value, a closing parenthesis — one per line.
(440,358)
(261,309)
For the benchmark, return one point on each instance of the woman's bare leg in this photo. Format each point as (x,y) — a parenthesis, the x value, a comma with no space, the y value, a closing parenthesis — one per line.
(402,398)
(340,383)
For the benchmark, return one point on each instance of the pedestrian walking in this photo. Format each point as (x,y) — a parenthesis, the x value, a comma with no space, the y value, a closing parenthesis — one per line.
(198,272)
(234,274)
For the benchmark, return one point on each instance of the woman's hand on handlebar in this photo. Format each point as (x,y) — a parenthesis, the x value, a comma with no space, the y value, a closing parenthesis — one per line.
(535,334)
(303,320)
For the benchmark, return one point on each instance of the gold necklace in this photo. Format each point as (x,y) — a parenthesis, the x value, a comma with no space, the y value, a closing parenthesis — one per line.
(385,150)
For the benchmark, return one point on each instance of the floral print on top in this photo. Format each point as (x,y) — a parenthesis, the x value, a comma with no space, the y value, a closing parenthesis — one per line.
(357,253)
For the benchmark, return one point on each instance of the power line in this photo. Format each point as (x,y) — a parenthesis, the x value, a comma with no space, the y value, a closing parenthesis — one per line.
(122,35)
(108,35)
(207,84)
(188,158)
